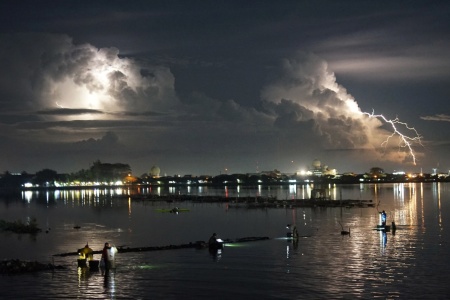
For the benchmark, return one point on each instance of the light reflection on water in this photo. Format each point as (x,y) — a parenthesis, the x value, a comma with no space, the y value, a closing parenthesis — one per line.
(410,264)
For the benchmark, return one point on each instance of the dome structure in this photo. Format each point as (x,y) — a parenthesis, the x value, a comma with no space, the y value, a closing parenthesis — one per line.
(316,164)
(155,171)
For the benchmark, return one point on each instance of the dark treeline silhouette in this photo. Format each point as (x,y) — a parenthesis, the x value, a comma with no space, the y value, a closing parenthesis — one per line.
(98,172)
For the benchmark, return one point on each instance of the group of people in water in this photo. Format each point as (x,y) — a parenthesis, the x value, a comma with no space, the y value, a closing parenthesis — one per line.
(107,260)
(214,243)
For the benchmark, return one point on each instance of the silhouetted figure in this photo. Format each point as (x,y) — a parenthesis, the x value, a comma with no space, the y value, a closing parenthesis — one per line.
(105,257)
(291,231)
(394,228)
(213,243)
(295,233)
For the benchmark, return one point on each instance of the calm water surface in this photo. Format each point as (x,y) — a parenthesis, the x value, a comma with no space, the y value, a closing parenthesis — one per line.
(413,263)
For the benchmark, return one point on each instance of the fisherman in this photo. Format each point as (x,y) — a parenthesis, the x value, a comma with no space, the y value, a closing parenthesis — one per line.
(86,253)
(383,218)
(213,240)
(214,243)
(291,231)
(105,256)
(295,233)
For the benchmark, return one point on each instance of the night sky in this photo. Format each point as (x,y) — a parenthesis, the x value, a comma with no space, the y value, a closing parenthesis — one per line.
(208,87)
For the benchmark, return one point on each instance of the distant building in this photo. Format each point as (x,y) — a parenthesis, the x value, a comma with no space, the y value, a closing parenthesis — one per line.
(154,172)
(275,173)
(318,170)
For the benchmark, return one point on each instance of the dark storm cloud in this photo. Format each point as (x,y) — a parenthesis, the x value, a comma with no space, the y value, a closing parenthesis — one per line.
(68,111)
(110,139)
(87,124)
(80,111)
(397,43)
(194,86)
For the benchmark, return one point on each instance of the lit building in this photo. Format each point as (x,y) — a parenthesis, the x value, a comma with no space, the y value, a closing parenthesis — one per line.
(318,170)
(155,171)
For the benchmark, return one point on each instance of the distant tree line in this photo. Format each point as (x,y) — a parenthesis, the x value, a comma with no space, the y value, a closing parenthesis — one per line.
(102,172)
(98,172)
(105,173)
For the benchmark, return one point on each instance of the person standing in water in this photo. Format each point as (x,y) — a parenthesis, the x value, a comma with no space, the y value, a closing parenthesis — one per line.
(105,255)
(383,218)
(86,253)
(213,241)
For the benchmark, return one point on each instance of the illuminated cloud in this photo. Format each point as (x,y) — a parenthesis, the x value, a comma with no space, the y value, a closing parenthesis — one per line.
(438,117)
(53,72)
(66,96)
(307,92)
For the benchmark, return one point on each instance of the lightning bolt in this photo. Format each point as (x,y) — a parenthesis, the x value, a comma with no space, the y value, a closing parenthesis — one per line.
(405,140)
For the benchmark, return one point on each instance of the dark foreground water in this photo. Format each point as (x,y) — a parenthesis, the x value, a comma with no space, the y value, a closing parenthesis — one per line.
(413,263)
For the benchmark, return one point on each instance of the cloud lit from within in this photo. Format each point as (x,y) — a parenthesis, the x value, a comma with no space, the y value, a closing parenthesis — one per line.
(79,92)
(308,83)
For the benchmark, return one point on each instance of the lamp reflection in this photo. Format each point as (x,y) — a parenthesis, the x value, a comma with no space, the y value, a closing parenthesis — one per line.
(109,283)
(383,241)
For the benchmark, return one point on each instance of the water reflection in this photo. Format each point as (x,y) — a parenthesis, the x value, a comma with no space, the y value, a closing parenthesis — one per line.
(216,254)
(109,281)
(84,197)
(364,265)
(401,192)
(383,241)
(84,276)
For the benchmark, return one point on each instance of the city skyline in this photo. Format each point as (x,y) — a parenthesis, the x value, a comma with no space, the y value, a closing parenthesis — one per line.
(199,87)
